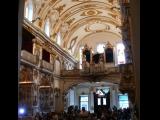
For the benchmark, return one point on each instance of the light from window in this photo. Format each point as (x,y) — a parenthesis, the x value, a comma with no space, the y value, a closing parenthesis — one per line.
(46,28)
(29,11)
(99,101)
(104,101)
(59,38)
(80,57)
(84,102)
(123,101)
(120,53)
(100,48)
(26,12)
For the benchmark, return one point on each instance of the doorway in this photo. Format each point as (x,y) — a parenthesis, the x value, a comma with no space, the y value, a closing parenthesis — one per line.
(101,100)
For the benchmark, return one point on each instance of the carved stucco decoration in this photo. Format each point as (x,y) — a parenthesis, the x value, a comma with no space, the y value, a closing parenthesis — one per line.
(60,8)
(70,21)
(96,26)
(37,3)
(54,15)
(26,74)
(45,79)
(113,15)
(108,45)
(72,43)
(64,27)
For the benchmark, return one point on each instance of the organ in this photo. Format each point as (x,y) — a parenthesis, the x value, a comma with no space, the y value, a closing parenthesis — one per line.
(96,61)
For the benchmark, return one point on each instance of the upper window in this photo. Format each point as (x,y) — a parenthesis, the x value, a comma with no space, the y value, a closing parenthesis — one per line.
(46,28)
(28,10)
(80,57)
(123,101)
(84,102)
(120,53)
(100,48)
(59,38)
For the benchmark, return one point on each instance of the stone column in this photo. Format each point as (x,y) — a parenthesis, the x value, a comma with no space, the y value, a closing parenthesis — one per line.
(113,96)
(116,96)
(57,94)
(35,90)
(92,102)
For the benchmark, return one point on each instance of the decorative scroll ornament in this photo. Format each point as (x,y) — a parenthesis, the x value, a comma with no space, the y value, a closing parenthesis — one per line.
(72,43)
(54,15)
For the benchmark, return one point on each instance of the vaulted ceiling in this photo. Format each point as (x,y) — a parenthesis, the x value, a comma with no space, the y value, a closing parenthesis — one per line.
(80,20)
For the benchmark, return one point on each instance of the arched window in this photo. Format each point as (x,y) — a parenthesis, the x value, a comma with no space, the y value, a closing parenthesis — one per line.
(100,48)
(120,53)
(123,100)
(46,28)
(80,57)
(28,10)
(59,38)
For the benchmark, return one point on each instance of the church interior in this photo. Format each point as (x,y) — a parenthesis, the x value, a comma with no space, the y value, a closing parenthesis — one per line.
(79,60)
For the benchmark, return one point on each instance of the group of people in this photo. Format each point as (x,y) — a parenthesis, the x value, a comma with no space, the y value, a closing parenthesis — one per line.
(73,113)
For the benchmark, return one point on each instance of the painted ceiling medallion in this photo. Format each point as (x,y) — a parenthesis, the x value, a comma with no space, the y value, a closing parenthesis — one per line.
(97,26)
(91,13)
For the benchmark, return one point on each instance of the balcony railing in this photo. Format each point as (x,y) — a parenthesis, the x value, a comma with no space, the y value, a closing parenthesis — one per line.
(75,72)
(47,65)
(29,57)
(92,70)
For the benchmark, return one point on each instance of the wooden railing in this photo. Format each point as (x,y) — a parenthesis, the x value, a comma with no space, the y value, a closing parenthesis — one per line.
(47,65)
(29,57)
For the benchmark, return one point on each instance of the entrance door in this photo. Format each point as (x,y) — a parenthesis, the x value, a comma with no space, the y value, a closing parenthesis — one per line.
(101,102)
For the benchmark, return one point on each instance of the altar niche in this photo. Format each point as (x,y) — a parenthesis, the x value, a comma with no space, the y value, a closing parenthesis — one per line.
(101,100)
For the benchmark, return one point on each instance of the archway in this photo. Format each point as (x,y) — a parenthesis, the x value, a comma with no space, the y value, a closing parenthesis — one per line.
(92,96)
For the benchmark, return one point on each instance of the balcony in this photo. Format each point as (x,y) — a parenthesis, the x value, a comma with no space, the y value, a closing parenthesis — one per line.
(25,55)
(95,69)
(75,72)
(47,65)
(100,69)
